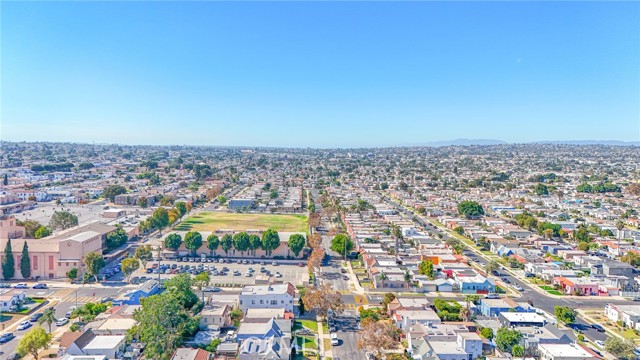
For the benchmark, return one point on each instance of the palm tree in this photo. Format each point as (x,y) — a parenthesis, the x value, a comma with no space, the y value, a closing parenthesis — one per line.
(619,226)
(49,317)
(382,277)
(407,279)
(467,311)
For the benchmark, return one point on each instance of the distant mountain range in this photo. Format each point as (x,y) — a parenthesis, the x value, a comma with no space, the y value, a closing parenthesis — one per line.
(466,142)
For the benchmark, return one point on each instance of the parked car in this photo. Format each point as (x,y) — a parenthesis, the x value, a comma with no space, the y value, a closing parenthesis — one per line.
(597,327)
(35,317)
(4,286)
(24,325)
(278,275)
(492,296)
(62,321)
(212,289)
(5,338)
(275,263)
(20,286)
(40,286)
(334,339)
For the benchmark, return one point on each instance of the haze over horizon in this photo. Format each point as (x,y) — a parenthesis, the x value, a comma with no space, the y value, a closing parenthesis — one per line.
(319,74)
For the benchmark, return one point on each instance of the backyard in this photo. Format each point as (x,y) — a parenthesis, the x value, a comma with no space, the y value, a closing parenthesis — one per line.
(210,221)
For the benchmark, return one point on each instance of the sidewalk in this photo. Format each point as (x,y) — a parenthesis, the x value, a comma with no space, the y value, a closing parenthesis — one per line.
(321,336)
(506,269)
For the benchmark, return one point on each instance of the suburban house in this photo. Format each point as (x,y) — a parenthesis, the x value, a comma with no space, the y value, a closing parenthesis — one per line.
(406,318)
(272,328)
(475,285)
(272,348)
(267,296)
(10,298)
(493,307)
(133,297)
(88,343)
(511,319)
(582,286)
(628,314)
(563,352)
(217,316)
(191,354)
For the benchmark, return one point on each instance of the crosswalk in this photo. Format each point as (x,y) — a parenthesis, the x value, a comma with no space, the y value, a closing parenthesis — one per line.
(81,299)
(350,306)
(344,292)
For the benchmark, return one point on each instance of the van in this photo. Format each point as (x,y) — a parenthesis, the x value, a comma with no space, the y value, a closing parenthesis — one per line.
(334,339)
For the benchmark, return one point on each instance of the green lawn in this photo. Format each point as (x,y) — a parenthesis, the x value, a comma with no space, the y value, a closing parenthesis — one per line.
(630,334)
(309,324)
(306,342)
(210,221)
(550,290)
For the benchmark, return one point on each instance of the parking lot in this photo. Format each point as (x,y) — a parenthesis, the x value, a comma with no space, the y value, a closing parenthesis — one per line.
(226,272)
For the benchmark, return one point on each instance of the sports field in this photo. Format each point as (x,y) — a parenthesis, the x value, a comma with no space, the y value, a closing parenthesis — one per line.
(210,221)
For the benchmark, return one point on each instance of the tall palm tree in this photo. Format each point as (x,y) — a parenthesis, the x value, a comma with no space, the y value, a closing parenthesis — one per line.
(382,277)
(49,317)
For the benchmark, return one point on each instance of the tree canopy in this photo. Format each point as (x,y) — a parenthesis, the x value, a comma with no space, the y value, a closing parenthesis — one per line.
(62,220)
(469,209)
(507,338)
(193,241)
(213,241)
(111,191)
(8,262)
(173,241)
(94,262)
(342,244)
(33,342)
(296,243)
(270,240)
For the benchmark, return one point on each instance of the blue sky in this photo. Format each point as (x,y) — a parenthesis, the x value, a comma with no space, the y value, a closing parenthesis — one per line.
(324,74)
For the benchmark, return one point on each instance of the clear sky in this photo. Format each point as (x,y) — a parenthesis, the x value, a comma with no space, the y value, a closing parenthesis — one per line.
(322,74)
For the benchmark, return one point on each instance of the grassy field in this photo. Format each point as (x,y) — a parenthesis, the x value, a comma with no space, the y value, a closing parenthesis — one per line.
(309,324)
(306,342)
(210,221)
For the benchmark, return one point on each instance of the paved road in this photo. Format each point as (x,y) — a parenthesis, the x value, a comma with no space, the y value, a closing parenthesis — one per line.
(539,300)
(67,299)
(347,329)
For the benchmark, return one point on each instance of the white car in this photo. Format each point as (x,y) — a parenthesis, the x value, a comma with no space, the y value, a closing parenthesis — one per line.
(278,275)
(62,322)
(600,343)
(334,339)
(24,325)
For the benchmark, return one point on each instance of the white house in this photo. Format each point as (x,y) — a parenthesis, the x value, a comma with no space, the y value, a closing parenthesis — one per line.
(9,298)
(267,297)
(563,352)
(88,343)
(628,314)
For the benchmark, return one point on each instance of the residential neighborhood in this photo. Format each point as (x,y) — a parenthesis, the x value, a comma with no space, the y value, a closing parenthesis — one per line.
(352,259)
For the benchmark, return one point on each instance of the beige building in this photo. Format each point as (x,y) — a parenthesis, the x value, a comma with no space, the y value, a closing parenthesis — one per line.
(52,257)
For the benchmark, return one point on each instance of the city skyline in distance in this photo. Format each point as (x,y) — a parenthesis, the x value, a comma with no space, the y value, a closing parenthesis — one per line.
(320,74)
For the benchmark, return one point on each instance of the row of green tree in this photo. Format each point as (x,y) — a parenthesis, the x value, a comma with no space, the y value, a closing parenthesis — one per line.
(162,218)
(601,187)
(242,242)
